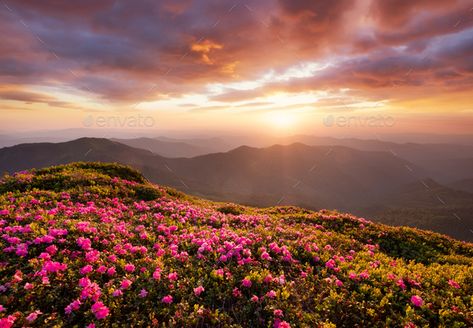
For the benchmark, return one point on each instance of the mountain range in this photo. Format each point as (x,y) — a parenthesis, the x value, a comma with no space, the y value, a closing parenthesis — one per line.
(386,182)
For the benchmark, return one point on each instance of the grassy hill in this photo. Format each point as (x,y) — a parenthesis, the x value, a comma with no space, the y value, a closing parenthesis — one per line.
(97,244)
(318,177)
(373,184)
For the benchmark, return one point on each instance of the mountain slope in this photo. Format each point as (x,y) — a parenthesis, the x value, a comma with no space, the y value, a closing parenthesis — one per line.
(444,162)
(317,177)
(464,184)
(91,243)
(171,149)
(32,155)
(371,184)
(27,156)
(426,204)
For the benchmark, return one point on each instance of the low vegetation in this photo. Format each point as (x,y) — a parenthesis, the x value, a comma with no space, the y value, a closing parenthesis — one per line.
(96,245)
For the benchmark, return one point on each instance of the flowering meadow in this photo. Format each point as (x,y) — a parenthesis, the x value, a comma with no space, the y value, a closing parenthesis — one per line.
(96,245)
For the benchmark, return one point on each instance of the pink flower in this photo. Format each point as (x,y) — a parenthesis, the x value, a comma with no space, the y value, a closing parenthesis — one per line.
(236,292)
(364,275)
(125,283)
(157,274)
(278,313)
(271,294)
(281,324)
(391,276)
(101,269)
(254,298)
(198,290)
(86,269)
(129,268)
(45,256)
(172,276)
(117,292)
(401,284)
(84,243)
(50,266)
(7,322)
(74,306)
(219,273)
(282,279)
(33,316)
(143,293)
(111,271)
(52,249)
(266,256)
(84,282)
(417,300)
(268,279)
(92,256)
(331,264)
(100,310)
(2,308)
(91,291)
(167,299)
(246,283)
(454,284)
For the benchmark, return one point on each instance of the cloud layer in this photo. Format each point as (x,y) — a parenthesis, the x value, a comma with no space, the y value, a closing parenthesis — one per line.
(129,52)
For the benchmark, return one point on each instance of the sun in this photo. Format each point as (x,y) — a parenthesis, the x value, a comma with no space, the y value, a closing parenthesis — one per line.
(281,119)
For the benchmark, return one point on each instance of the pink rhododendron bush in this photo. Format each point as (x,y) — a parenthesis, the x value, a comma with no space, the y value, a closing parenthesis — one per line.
(96,245)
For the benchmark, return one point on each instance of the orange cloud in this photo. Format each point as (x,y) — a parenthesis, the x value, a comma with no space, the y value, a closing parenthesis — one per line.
(230,69)
(204,48)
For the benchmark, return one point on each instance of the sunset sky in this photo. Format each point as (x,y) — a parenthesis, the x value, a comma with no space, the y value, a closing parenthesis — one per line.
(286,66)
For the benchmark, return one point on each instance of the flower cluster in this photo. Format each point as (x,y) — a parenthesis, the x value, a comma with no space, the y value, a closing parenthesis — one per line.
(120,251)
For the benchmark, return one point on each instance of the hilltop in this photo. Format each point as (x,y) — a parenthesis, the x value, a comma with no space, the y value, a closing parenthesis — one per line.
(370,183)
(98,244)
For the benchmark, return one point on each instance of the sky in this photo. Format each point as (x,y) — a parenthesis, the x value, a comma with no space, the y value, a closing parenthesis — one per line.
(273,66)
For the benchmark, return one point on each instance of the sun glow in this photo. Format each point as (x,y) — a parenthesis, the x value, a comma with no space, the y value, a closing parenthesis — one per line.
(281,119)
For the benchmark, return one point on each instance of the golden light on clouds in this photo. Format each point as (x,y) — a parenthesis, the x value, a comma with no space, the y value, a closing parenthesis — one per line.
(204,48)
(177,59)
(230,69)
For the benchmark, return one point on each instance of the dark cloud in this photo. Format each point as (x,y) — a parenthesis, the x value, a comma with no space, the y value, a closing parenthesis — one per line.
(32,97)
(397,13)
(141,50)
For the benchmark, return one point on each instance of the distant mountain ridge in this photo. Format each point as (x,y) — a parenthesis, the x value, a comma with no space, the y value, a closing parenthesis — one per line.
(167,148)
(370,183)
(444,162)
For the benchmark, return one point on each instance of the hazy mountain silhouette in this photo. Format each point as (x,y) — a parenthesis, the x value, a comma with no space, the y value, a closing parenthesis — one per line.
(312,176)
(376,184)
(463,184)
(442,161)
(172,149)
(427,204)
